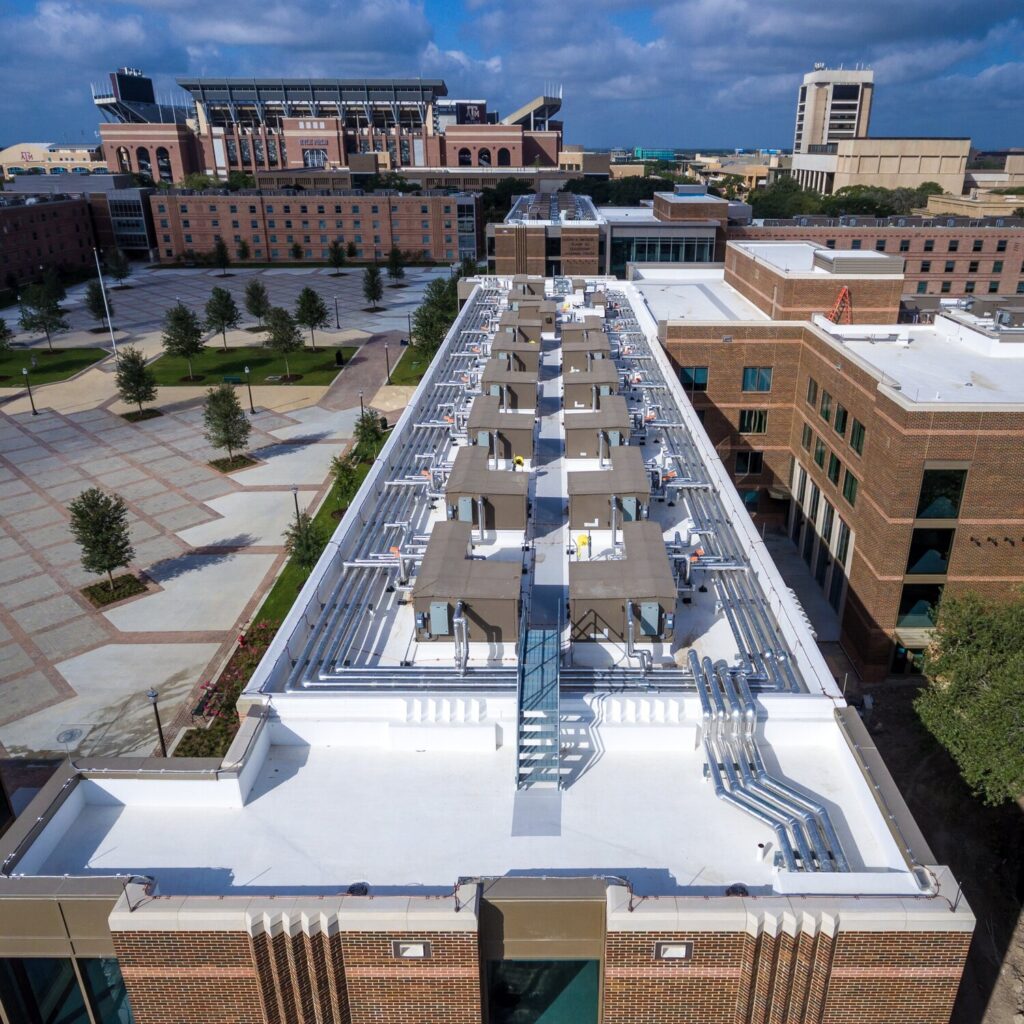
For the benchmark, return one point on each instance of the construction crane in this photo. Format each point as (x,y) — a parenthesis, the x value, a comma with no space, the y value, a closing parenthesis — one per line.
(842,311)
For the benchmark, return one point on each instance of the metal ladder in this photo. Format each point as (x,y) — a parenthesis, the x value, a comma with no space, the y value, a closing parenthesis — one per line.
(538,762)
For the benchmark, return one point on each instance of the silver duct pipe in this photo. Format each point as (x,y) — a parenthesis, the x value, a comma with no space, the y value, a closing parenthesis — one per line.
(614,502)
(493,438)
(593,397)
(644,657)
(705,702)
(480,515)
(460,633)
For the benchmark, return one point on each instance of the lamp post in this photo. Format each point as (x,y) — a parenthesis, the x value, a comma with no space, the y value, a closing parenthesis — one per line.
(295,497)
(387,361)
(248,386)
(106,307)
(28,386)
(362,411)
(153,697)
(408,318)
(337,318)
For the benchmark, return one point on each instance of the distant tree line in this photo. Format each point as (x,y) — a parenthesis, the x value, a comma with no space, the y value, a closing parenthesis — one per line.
(786,198)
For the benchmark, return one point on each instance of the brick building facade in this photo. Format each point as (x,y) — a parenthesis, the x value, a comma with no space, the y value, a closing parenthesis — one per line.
(43,233)
(440,228)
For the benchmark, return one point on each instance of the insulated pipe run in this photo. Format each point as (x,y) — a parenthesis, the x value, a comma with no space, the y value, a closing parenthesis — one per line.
(705,701)
(614,502)
(644,657)
(480,515)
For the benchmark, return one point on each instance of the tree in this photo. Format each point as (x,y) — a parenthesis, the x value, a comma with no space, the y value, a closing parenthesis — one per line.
(468,267)
(974,702)
(118,266)
(99,522)
(222,313)
(53,284)
(6,336)
(183,334)
(311,312)
(336,257)
(784,198)
(95,304)
(41,311)
(345,470)
(225,421)
(220,256)
(257,302)
(296,251)
(136,382)
(242,251)
(396,266)
(282,334)
(240,179)
(198,182)
(351,251)
(1019,211)
(373,287)
(304,541)
(435,315)
(368,434)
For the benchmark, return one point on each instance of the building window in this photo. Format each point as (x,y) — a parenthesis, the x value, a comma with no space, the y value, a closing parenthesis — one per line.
(1001,245)
(997,267)
(929,552)
(47,989)
(753,421)
(904,245)
(805,438)
(857,433)
(828,515)
(855,244)
(839,424)
(834,466)
(880,245)
(757,378)
(941,493)
(826,406)
(749,462)
(976,245)
(969,287)
(819,451)
(926,266)
(946,287)
(812,506)
(850,488)
(929,245)
(972,267)
(949,267)
(830,243)
(801,484)
(922,287)
(812,391)
(993,287)
(694,378)
(1020,287)
(918,604)
(750,499)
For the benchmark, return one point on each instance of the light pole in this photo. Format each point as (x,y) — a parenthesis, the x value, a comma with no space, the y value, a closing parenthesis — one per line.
(362,411)
(248,386)
(28,386)
(106,307)
(408,317)
(387,361)
(153,697)
(295,496)
(337,318)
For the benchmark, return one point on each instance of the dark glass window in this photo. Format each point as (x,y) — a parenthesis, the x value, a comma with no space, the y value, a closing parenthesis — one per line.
(949,267)
(834,465)
(929,245)
(41,990)
(757,378)
(105,989)
(828,517)
(904,245)
(839,424)
(812,391)
(694,378)
(753,421)
(850,488)
(1001,245)
(929,552)
(976,245)
(880,245)
(805,438)
(857,433)
(749,462)
(812,508)
(941,493)
(926,266)
(954,245)
(819,451)
(946,288)
(826,406)
(843,544)
(855,244)
(918,603)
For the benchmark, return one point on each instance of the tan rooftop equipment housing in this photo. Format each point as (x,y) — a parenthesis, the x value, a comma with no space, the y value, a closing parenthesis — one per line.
(514,430)
(453,591)
(516,353)
(516,389)
(602,592)
(584,388)
(579,353)
(589,435)
(591,492)
(501,492)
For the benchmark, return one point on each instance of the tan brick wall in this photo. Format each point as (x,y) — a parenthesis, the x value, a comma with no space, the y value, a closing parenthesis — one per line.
(519,249)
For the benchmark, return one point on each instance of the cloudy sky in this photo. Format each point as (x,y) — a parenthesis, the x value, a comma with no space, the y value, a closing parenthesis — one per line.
(687,73)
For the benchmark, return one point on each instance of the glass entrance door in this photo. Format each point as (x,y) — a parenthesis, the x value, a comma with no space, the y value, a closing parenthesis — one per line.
(542,991)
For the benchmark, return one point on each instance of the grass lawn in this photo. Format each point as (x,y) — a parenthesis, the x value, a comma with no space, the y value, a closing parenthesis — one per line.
(215,363)
(50,366)
(410,367)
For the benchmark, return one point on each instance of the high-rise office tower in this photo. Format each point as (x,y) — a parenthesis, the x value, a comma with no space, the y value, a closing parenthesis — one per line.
(832,105)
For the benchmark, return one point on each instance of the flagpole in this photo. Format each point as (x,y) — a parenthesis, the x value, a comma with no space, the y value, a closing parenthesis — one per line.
(106,308)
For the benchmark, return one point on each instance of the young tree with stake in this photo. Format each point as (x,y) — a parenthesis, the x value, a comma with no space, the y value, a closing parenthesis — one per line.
(118,266)
(225,421)
(99,522)
(41,311)
(222,313)
(221,256)
(296,251)
(396,264)
(351,251)
(311,312)
(304,541)
(242,251)
(94,303)
(336,257)
(6,336)
(345,469)
(282,335)
(257,302)
(183,335)
(136,382)
(373,286)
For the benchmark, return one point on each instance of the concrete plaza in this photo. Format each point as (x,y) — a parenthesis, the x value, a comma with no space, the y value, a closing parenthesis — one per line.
(72,677)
